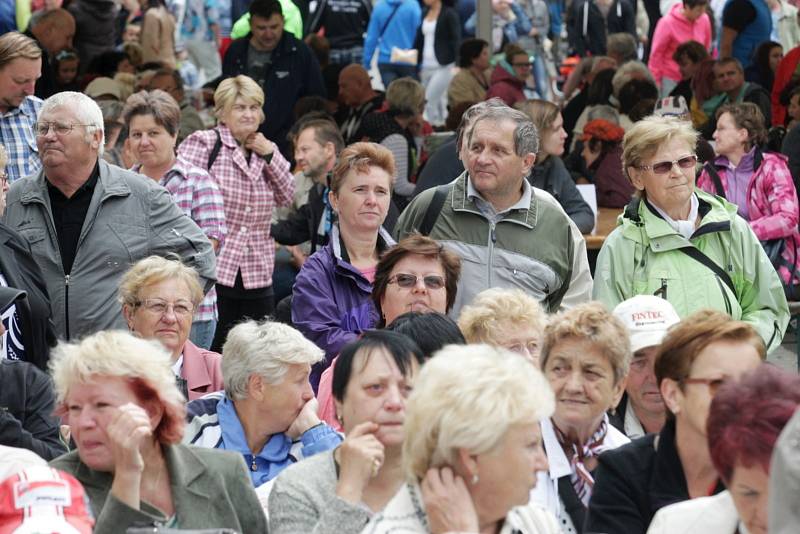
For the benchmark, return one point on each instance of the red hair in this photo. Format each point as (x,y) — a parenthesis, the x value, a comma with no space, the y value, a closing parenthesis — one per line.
(747,416)
(173,417)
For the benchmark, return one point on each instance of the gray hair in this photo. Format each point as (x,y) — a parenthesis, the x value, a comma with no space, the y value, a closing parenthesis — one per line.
(266,349)
(526,137)
(85,109)
(627,72)
(469,116)
(604,112)
(623,45)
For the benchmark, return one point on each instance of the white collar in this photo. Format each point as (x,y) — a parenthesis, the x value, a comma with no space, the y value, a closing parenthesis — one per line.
(685,228)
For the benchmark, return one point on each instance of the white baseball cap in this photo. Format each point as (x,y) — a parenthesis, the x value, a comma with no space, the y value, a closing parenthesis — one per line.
(647,319)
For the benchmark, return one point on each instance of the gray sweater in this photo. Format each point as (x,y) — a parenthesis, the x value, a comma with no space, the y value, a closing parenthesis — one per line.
(304,499)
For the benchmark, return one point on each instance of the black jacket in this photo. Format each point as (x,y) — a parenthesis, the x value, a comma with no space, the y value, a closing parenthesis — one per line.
(345,21)
(635,481)
(27,403)
(620,18)
(446,37)
(303,224)
(553,177)
(791,148)
(442,167)
(292,73)
(21,272)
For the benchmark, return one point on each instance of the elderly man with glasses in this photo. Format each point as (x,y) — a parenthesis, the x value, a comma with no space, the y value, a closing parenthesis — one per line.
(87,221)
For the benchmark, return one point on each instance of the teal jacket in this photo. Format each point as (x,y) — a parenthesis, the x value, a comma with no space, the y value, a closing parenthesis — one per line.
(642,257)
(210,489)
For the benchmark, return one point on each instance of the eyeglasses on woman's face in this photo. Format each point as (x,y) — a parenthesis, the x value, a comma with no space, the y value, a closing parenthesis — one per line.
(409,281)
(663,167)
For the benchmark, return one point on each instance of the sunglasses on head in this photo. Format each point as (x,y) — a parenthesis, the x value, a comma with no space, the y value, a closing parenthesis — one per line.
(408,281)
(663,167)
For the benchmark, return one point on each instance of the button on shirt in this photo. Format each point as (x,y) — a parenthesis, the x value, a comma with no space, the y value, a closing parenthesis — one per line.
(19,140)
(69,215)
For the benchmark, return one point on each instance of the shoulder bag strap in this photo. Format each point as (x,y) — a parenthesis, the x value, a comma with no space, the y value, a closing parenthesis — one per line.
(712,172)
(697,255)
(434,208)
(212,157)
(572,503)
(386,24)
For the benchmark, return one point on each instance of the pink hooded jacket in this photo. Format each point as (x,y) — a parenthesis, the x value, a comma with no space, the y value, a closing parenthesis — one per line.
(671,31)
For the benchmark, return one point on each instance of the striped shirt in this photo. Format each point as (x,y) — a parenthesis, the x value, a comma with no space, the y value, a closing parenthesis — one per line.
(19,139)
(251,188)
(196,194)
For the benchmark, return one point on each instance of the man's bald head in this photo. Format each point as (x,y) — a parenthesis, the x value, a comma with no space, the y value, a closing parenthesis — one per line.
(54,29)
(355,86)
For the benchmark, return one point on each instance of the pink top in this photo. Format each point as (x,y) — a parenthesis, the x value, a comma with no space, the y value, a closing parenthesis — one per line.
(202,370)
(672,30)
(369,274)
(327,408)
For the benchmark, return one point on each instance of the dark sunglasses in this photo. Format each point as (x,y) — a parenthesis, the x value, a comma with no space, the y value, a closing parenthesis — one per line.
(663,167)
(408,281)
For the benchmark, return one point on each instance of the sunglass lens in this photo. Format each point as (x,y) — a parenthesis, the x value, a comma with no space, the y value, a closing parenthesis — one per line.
(434,282)
(687,162)
(662,167)
(406,280)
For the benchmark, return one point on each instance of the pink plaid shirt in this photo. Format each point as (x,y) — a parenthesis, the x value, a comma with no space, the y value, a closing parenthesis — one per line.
(249,191)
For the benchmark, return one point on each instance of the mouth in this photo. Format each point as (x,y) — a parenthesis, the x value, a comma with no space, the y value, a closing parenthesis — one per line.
(90,445)
(573,402)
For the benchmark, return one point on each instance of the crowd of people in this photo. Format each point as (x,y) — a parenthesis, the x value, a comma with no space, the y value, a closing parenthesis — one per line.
(308,267)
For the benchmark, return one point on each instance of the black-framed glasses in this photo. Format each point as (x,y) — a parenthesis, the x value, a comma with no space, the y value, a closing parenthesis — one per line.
(408,281)
(713,384)
(663,167)
(61,128)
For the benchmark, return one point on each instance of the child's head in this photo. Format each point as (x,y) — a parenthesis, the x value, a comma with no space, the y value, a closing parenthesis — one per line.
(794,104)
(131,33)
(67,63)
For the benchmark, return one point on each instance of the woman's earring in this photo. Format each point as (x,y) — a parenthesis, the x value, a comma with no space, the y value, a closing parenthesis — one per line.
(340,419)
(475,479)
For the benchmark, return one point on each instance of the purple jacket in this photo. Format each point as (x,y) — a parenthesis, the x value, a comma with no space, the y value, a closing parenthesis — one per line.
(332,301)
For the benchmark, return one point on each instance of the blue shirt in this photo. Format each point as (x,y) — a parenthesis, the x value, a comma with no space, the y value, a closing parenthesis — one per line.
(277,453)
(19,139)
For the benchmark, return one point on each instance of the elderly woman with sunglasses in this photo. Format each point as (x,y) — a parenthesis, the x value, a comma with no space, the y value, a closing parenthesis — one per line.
(682,244)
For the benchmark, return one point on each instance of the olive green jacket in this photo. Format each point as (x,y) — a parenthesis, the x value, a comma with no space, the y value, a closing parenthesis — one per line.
(210,489)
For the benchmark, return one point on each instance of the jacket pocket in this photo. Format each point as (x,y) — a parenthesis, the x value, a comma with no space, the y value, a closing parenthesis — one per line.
(129,245)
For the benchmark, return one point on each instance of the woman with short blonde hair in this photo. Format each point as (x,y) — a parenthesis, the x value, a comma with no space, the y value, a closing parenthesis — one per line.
(254,178)
(683,244)
(472,446)
(127,417)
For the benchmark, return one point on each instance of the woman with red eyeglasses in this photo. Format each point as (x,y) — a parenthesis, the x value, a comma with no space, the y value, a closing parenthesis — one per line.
(683,244)
(634,481)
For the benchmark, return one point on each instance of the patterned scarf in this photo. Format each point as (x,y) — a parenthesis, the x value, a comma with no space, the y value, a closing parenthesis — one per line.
(582,480)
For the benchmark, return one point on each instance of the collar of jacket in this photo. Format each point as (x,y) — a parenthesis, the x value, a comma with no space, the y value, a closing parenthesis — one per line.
(341,260)
(461,202)
(287,45)
(108,184)
(644,225)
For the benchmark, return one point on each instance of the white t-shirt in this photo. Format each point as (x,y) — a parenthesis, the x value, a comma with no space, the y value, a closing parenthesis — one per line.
(428,53)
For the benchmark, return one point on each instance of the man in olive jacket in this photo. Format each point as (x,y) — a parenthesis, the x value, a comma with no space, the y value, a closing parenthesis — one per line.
(87,221)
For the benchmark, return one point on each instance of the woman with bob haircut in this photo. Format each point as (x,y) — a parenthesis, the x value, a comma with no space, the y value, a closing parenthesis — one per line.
(340,490)
(682,244)
(472,447)
(472,79)
(416,275)
(254,178)
(636,480)
(331,303)
(585,357)
(159,297)
(153,122)
(118,396)
(759,183)
(505,318)
(267,412)
(744,423)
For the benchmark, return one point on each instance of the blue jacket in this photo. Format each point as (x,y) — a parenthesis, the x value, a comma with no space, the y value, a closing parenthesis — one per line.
(292,73)
(213,424)
(755,33)
(399,33)
(332,301)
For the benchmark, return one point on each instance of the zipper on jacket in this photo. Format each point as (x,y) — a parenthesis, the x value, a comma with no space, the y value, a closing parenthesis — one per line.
(492,241)
(775,331)
(662,291)
(724,295)
(66,305)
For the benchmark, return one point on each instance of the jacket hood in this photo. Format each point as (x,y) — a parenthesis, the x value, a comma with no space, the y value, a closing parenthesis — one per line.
(504,72)
(676,13)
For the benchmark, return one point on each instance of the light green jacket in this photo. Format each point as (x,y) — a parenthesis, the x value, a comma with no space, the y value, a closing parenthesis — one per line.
(642,257)
(292,21)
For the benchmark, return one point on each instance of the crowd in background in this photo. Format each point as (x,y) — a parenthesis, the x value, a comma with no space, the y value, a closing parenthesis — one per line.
(320,266)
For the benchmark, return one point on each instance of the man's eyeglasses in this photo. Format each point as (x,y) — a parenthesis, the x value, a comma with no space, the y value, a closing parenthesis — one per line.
(663,167)
(159,307)
(408,281)
(712,383)
(61,128)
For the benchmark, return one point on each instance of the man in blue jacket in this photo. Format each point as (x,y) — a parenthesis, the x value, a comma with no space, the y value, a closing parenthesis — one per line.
(280,63)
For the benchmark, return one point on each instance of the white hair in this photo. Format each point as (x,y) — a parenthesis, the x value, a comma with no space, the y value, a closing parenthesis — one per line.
(470,409)
(85,109)
(626,73)
(266,349)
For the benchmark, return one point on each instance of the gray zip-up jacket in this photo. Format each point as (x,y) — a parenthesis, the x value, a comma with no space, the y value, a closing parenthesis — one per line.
(130,217)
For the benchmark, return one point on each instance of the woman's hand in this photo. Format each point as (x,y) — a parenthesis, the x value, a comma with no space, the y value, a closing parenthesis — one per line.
(448,503)
(256,142)
(307,418)
(127,431)
(360,458)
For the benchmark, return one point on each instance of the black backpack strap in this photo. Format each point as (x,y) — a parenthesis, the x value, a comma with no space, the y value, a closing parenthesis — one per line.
(712,172)
(697,255)
(212,157)
(434,208)
(572,503)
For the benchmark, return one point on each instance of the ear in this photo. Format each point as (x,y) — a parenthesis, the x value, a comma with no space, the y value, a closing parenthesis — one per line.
(334,200)
(636,178)
(339,407)
(97,139)
(619,389)
(672,395)
(467,464)
(155,411)
(330,150)
(527,163)
(255,386)
(128,312)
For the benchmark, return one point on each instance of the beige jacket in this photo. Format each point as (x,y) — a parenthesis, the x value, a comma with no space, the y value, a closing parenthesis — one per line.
(158,36)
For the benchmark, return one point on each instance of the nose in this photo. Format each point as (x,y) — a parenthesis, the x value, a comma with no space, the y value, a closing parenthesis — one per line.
(540,460)
(308,393)
(84,419)
(371,198)
(169,315)
(575,381)
(394,400)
